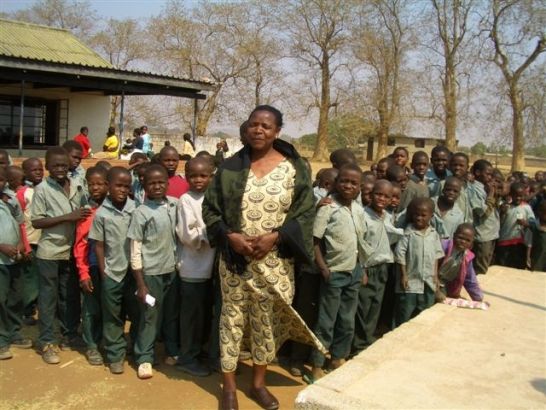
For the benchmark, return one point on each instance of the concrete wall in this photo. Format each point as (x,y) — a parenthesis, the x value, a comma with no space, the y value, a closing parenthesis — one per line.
(84,108)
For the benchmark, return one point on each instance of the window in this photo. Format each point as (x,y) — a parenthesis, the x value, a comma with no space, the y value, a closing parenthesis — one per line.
(391,141)
(420,143)
(40,122)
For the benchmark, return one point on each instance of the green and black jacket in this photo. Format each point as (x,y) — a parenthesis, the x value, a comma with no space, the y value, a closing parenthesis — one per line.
(222,209)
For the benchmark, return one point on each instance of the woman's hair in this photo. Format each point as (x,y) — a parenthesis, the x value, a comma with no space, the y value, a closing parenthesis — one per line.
(111,131)
(276,113)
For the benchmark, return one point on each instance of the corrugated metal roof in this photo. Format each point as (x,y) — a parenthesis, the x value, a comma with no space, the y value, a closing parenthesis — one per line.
(35,42)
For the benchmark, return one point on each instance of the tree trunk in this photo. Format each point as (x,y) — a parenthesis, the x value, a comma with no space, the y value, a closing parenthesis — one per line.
(382,139)
(205,113)
(113,110)
(450,100)
(321,147)
(518,141)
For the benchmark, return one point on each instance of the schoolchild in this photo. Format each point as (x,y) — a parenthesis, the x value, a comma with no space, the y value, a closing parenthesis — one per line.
(178,185)
(486,216)
(76,171)
(325,183)
(417,254)
(195,264)
(117,292)
(11,254)
(58,203)
(379,234)
(153,244)
(339,253)
(34,173)
(456,269)
(439,158)
(447,214)
(88,269)
(515,217)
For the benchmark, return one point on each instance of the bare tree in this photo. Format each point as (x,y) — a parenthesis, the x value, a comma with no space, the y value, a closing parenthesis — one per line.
(452,18)
(122,43)
(201,43)
(76,16)
(379,44)
(318,32)
(514,27)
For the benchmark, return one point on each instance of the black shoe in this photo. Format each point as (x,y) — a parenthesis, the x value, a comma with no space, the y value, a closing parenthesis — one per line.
(93,357)
(29,321)
(194,369)
(22,343)
(74,343)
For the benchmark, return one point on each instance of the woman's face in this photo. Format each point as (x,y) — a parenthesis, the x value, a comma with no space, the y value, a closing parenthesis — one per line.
(262,130)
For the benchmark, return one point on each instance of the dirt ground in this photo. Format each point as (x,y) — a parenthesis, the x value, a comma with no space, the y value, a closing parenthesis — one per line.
(27,383)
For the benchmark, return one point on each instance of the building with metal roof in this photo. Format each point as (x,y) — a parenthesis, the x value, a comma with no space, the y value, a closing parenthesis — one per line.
(59,85)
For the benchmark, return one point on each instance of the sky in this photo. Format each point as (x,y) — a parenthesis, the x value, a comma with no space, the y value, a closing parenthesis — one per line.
(135,9)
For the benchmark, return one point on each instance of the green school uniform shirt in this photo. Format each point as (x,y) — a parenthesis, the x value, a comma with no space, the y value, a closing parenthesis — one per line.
(342,230)
(447,224)
(486,217)
(49,201)
(10,231)
(111,226)
(419,252)
(153,223)
(413,190)
(379,235)
(509,228)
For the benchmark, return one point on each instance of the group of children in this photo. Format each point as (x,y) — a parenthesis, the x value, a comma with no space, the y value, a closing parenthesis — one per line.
(131,242)
(418,232)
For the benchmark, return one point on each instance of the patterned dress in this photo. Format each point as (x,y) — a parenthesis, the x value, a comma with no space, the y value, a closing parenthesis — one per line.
(256,306)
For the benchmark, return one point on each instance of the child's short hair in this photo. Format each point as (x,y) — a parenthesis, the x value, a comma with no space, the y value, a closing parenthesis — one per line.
(388,160)
(114,172)
(349,167)
(438,149)
(155,168)
(104,164)
(460,155)
(480,165)
(72,145)
(516,186)
(417,203)
(465,226)
(96,170)
(167,148)
(341,157)
(368,176)
(55,151)
(401,149)
(135,156)
(199,160)
(419,154)
(394,172)
(453,179)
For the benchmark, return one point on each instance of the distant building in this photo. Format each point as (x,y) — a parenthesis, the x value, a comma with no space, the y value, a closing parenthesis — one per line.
(411,144)
(62,85)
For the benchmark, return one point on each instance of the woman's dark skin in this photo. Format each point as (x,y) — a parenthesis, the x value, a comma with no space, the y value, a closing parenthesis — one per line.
(262,131)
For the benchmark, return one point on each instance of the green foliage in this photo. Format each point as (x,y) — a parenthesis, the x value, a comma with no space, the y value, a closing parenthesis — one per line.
(539,151)
(478,148)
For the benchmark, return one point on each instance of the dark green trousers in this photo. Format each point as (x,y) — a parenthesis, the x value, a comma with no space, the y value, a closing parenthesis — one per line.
(117,300)
(483,252)
(336,316)
(59,293)
(195,314)
(306,304)
(409,305)
(91,312)
(11,307)
(159,318)
(29,272)
(370,298)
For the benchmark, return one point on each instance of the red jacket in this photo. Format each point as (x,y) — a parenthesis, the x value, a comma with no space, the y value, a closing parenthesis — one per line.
(81,246)
(84,142)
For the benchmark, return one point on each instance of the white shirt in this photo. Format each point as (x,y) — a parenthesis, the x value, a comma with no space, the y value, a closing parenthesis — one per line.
(195,257)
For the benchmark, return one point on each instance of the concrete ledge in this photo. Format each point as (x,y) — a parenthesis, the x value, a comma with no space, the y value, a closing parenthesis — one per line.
(450,357)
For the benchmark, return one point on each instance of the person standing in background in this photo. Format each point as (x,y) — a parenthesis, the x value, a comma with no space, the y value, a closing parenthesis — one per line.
(83,139)
(146,140)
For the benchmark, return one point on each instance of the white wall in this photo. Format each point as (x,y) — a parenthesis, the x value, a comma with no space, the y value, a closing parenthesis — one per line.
(92,111)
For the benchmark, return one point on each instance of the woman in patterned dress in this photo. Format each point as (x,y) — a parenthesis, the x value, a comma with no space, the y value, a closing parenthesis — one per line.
(259,213)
